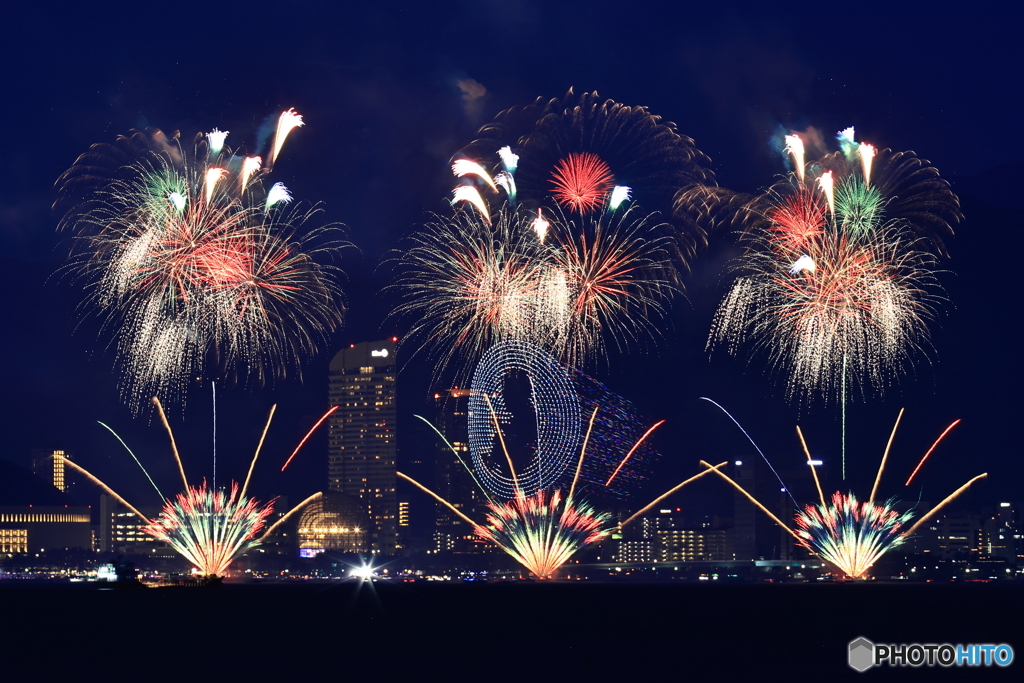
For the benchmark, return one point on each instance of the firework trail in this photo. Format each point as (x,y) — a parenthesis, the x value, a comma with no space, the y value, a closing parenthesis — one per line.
(849,534)
(189,263)
(534,524)
(208,527)
(833,294)
(468,284)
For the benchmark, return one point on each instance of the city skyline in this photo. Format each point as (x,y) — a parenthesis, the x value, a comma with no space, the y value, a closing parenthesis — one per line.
(734,113)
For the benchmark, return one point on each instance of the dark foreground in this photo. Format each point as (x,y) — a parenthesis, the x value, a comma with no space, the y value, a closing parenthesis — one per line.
(479,632)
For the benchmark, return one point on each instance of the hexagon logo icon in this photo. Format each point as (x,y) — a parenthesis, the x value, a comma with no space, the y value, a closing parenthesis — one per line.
(862,654)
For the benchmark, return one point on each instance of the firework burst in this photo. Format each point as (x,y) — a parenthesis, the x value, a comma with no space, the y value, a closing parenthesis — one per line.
(543,531)
(189,262)
(847,533)
(831,289)
(469,283)
(852,535)
(587,156)
(582,182)
(210,528)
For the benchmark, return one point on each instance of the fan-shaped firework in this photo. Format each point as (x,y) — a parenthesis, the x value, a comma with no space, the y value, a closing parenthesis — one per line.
(852,535)
(207,526)
(468,283)
(542,531)
(831,289)
(535,525)
(575,151)
(210,528)
(189,261)
(849,534)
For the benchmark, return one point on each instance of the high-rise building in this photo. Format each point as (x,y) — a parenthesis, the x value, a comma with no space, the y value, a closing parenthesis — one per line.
(47,465)
(451,478)
(362,443)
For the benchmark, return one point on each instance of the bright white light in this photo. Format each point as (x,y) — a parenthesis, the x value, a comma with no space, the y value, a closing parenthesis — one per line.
(540,225)
(177,201)
(738,463)
(278,194)
(363,572)
(805,262)
(508,183)
(508,159)
(620,193)
(216,138)
(814,463)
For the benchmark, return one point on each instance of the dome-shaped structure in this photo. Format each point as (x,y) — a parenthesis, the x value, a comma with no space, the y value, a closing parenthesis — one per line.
(336,521)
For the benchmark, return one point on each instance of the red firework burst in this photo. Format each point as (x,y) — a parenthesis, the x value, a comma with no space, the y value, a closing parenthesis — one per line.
(797,220)
(582,182)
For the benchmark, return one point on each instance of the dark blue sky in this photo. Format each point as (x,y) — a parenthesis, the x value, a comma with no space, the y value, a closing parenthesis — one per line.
(377,86)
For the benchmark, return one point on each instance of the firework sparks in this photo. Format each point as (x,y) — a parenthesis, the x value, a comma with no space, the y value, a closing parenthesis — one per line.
(470,195)
(509,159)
(867,156)
(278,194)
(620,193)
(250,167)
(845,532)
(827,186)
(464,167)
(286,122)
(830,293)
(540,225)
(582,182)
(216,138)
(181,258)
(471,284)
(210,528)
(508,183)
(543,531)
(795,147)
(852,535)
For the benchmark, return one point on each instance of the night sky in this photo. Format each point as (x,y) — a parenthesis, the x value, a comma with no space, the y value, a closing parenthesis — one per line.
(378,87)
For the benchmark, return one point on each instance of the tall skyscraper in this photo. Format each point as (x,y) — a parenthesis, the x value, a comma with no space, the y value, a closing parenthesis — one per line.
(51,468)
(362,441)
(452,481)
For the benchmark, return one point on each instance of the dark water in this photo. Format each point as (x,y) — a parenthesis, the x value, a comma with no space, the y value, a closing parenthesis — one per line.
(584,631)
